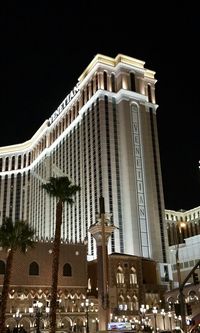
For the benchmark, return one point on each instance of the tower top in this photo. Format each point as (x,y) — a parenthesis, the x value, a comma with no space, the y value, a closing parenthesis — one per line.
(113,62)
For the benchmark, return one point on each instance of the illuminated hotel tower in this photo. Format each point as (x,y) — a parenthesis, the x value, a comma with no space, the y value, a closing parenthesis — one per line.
(104,137)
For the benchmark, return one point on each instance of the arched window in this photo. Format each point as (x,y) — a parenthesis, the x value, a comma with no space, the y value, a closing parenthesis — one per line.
(83,102)
(133,276)
(13,163)
(193,296)
(24,161)
(7,164)
(97,82)
(132,79)
(92,87)
(29,158)
(112,82)
(2,267)
(120,275)
(135,302)
(171,301)
(105,80)
(67,270)
(34,268)
(149,93)
(87,93)
(19,162)
(121,302)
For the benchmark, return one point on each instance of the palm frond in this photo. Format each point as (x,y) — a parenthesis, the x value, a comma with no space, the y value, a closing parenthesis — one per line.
(61,188)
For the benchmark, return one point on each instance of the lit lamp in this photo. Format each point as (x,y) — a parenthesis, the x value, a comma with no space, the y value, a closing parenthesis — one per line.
(170,320)
(163,317)
(143,310)
(17,316)
(37,311)
(155,311)
(87,304)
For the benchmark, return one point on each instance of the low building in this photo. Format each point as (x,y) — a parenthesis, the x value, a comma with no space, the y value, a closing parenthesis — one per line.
(134,285)
(184,240)
(184,255)
(134,282)
(31,281)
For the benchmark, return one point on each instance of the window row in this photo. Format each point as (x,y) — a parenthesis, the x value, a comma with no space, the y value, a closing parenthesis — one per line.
(120,276)
(188,217)
(178,233)
(100,80)
(15,162)
(35,271)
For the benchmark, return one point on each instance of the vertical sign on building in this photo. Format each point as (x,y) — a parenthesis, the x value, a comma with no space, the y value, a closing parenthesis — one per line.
(141,201)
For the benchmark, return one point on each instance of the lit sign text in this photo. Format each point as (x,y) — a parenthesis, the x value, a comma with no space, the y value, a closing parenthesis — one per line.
(64,103)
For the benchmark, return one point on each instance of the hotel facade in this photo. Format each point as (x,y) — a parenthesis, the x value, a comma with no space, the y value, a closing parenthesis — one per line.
(183,229)
(103,136)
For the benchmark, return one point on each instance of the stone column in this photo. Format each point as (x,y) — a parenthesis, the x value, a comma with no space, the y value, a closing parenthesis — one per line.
(101,231)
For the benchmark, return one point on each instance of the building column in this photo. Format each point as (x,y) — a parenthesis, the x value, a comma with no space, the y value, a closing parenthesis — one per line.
(101,231)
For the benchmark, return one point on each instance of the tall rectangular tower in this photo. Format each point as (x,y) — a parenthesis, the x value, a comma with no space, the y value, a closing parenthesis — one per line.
(104,137)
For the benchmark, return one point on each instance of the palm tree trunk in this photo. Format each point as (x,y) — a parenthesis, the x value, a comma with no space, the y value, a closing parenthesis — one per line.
(55,267)
(5,290)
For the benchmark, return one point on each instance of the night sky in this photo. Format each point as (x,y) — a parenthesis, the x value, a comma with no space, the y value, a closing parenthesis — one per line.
(45,47)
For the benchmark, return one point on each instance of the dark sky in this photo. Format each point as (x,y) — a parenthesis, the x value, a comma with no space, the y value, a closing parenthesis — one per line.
(45,47)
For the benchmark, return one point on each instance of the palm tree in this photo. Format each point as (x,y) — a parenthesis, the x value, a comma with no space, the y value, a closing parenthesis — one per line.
(62,189)
(13,236)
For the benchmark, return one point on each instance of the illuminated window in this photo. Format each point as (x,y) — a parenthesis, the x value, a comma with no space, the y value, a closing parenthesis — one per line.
(133,276)
(135,303)
(120,275)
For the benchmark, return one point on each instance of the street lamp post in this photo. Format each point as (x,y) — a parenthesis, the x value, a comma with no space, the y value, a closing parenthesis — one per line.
(170,320)
(178,269)
(87,304)
(163,317)
(143,310)
(87,314)
(155,311)
(37,310)
(17,317)
(101,231)
(180,225)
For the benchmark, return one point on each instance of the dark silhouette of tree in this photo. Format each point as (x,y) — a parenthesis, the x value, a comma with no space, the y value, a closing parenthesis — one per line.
(13,236)
(62,189)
